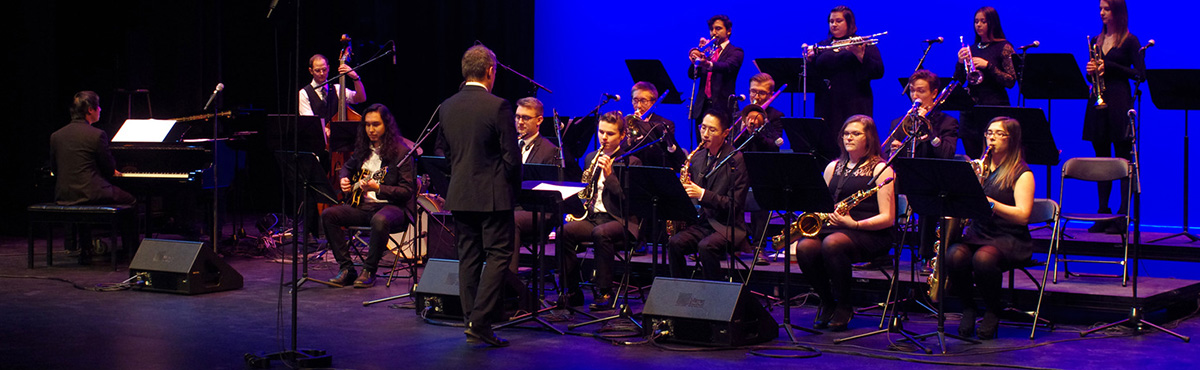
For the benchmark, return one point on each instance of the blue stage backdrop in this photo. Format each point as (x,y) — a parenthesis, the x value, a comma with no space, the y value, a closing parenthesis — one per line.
(580,48)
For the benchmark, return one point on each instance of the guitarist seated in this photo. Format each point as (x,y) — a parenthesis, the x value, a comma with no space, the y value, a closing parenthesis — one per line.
(381,192)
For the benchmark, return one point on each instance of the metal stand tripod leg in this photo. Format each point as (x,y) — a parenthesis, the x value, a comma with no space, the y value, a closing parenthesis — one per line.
(624,312)
(895,325)
(787,283)
(535,316)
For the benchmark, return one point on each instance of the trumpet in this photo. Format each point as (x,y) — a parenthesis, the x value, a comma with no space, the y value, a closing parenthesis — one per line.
(837,45)
(707,49)
(810,223)
(974,77)
(1097,79)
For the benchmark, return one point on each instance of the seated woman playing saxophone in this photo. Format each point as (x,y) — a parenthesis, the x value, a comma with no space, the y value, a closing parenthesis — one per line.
(856,235)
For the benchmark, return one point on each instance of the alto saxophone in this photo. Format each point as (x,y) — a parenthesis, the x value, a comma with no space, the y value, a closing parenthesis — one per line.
(685,176)
(588,194)
(810,223)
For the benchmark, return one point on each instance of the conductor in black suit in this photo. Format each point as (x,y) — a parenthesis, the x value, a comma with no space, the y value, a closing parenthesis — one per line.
(534,149)
(717,73)
(485,168)
(80,158)
(720,190)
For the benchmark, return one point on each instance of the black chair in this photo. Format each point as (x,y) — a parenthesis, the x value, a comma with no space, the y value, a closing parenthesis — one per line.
(1091,169)
(122,219)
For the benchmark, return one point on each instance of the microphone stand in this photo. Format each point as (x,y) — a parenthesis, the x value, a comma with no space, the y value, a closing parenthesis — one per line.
(536,85)
(595,110)
(920,64)
(1021,82)
(330,80)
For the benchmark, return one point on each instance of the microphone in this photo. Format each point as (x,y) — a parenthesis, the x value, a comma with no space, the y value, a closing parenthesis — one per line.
(1035,44)
(1148,45)
(272,9)
(938,40)
(220,86)
(1132,113)
(737,97)
(613,97)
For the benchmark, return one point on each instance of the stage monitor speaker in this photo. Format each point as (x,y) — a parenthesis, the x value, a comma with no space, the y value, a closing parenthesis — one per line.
(437,293)
(184,267)
(707,313)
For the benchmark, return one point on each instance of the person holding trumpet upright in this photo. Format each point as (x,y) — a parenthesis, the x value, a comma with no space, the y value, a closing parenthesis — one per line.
(603,223)
(715,65)
(846,72)
(995,244)
(990,57)
(721,194)
(854,235)
(1107,127)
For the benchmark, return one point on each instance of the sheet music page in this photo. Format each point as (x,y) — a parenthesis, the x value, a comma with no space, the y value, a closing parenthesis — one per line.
(566,191)
(143,131)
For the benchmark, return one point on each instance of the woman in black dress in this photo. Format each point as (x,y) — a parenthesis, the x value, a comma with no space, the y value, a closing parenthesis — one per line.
(1108,128)
(992,54)
(844,76)
(993,245)
(859,236)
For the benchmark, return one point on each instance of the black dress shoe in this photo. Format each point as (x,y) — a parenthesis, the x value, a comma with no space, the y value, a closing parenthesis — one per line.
(344,277)
(966,325)
(366,280)
(989,325)
(762,261)
(823,316)
(841,317)
(487,336)
(604,302)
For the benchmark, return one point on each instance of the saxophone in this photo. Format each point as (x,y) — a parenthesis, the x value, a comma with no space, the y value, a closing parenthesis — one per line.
(949,227)
(810,223)
(685,176)
(588,194)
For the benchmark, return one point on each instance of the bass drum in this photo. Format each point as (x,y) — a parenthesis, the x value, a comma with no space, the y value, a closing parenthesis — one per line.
(401,243)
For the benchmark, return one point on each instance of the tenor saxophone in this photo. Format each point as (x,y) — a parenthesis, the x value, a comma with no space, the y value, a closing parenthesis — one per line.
(685,176)
(810,223)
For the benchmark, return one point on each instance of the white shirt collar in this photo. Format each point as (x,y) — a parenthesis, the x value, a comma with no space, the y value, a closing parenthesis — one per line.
(480,84)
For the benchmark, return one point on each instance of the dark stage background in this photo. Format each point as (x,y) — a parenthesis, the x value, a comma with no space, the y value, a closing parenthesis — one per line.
(179,50)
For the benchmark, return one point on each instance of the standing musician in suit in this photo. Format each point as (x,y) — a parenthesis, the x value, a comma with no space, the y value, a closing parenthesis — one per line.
(322,102)
(762,86)
(665,153)
(485,171)
(858,236)
(717,74)
(992,55)
(995,244)
(1108,128)
(721,194)
(938,140)
(605,224)
(534,149)
(387,203)
(847,73)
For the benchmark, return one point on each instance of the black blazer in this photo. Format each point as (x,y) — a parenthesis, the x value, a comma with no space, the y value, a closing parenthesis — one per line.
(725,71)
(82,165)
(614,192)
(543,152)
(481,147)
(399,184)
(724,191)
(660,154)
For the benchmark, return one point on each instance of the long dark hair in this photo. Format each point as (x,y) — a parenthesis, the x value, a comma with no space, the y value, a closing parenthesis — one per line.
(391,148)
(1009,170)
(1120,15)
(993,22)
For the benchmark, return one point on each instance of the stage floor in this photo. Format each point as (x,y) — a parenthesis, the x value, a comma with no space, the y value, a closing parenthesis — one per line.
(52,325)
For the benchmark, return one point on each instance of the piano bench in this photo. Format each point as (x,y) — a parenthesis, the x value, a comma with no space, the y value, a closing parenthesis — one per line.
(122,219)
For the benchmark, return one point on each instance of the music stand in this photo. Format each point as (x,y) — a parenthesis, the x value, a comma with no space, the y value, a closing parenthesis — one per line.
(787,183)
(1052,76)
(1177,89)
(652,71)
(958,100)
(578,136)
(1036,138)
(788,71)
(941,188)
(298,161)
(803,133)
(342,135)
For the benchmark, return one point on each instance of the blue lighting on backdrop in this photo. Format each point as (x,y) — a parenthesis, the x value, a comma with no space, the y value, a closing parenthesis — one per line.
(580,48)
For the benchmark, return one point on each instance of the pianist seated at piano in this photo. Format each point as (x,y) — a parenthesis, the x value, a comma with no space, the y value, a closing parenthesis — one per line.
(381,193)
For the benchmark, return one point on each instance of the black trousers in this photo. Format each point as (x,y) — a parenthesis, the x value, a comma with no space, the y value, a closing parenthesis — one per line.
(710,246)
(605,232)
(483,236)
(384,220)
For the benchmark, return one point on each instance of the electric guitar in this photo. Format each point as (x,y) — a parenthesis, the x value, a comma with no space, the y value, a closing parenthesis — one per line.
(357,180)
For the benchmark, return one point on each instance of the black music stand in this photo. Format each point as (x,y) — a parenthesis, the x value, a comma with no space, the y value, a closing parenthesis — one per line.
(659,187)
(652,71)
(959,100)
(578,136)
(1036,138)
(1053,76)
(804,133)
(1177,89)
(342,135)
(941,188)
(790,72)
(539,202)
(298,160)
(788,182)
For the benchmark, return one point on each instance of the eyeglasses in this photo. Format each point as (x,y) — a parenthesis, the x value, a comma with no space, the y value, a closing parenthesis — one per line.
(759,92)
(521,118)
(998,134)
(711,129)
(642,101)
